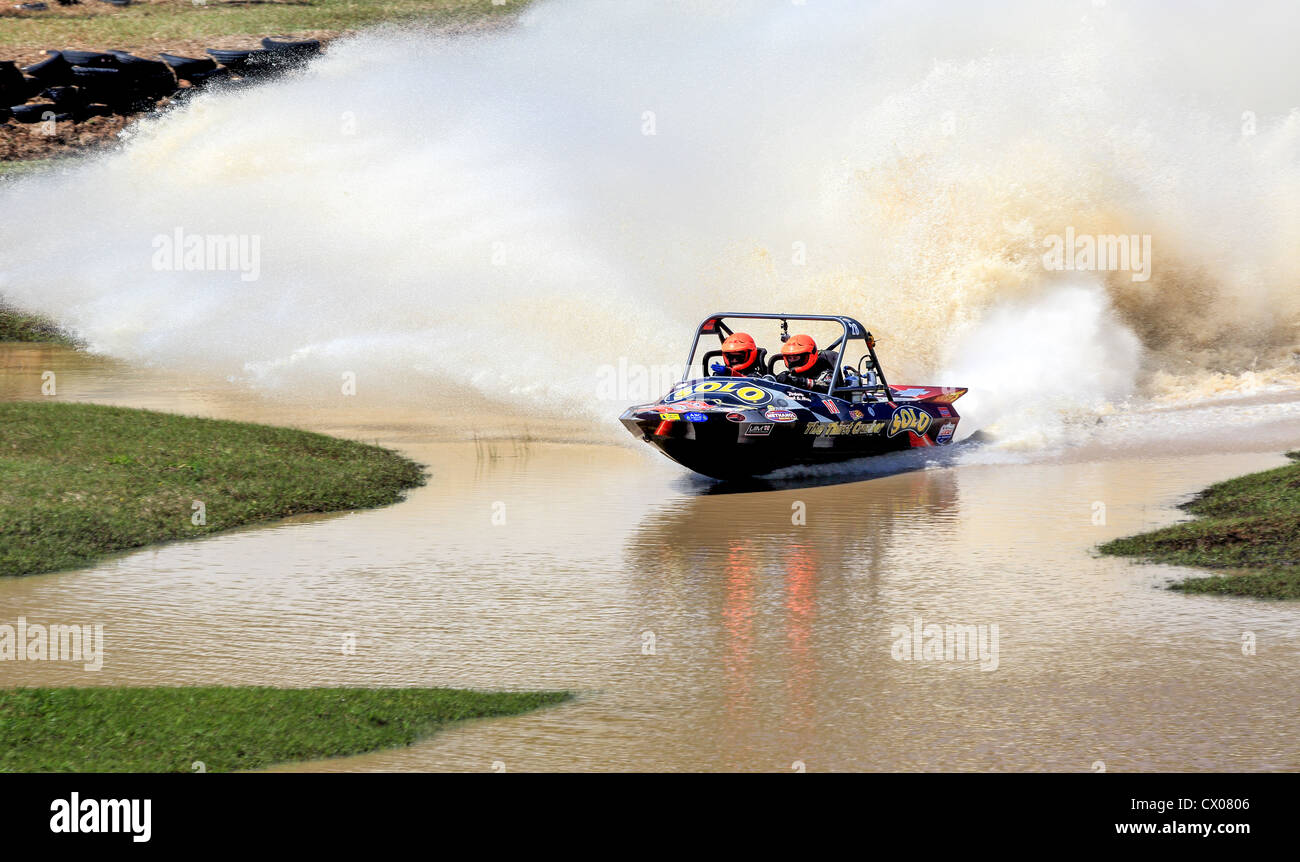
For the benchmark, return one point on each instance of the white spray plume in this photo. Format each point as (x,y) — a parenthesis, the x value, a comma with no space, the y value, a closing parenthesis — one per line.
(508,211)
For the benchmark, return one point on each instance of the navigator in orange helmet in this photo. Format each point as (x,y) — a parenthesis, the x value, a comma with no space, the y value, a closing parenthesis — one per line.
(805,366)
(744,358)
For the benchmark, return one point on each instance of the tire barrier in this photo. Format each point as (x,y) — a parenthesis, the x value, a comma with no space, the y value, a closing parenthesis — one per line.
(76,85)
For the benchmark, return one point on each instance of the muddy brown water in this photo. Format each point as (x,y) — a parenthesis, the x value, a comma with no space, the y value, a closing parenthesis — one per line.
(703,630)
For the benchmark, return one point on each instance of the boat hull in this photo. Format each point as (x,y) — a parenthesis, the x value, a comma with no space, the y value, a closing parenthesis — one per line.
(730,428)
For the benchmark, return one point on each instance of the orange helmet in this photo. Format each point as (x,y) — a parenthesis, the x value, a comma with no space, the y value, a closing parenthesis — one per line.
(799,353)
(739,351)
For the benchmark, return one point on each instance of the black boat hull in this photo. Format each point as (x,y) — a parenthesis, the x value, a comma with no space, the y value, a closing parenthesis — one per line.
(732,428)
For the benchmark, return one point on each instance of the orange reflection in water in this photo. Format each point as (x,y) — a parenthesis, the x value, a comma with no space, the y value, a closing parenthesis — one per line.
(800,606)
(738,623)
(742,599)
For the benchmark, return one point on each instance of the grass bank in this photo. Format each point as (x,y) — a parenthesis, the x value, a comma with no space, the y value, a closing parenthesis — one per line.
(20,167)
(17,325)
(1248,528)
(79,481)
(168,729)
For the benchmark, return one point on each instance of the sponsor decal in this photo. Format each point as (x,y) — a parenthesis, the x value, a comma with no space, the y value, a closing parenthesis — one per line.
(737,417)
(670,417)
(729,390)
(696,417)
(948,396)
(694,405)
(914,392)
(908,418)
(944,411)
(831,405)
(797,395)
(780,415)
(945,433)
(855,414)
(841,429)
(759,430)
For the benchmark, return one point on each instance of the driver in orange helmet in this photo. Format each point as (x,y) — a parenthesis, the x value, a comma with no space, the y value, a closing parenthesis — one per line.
(744,358)
(805,366)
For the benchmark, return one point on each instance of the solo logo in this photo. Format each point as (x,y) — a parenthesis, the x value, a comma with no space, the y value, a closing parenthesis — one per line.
(730,390)
(909,419)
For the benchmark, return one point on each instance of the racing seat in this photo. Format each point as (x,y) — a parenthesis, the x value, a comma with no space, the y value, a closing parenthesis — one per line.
(761,364)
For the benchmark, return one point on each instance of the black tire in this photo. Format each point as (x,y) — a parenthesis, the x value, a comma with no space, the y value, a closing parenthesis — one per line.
(126,59)
(51,72)
(9,75)
(65,98)
(93,59)
(109,86)
(151,77)
(246,63)
(187,67)
(292,53)
(14,89)
(31,114)
(5,113)
(203,80)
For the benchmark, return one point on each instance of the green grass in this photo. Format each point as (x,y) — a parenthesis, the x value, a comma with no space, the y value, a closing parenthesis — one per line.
(22,166)
(96,26)
(168,729)
(79,481)
(16,325)
(1249,527)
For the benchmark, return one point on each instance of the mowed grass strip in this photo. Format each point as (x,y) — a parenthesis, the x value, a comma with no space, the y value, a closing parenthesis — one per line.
(183,24)
(227,729)
(78,481)
(1248,526)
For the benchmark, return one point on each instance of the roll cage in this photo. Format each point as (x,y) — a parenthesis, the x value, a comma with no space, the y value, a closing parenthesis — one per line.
(852,331)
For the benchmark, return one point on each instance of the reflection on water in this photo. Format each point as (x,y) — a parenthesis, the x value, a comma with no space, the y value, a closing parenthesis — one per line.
(709,630)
